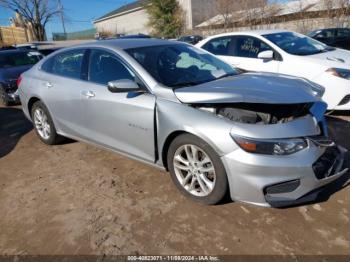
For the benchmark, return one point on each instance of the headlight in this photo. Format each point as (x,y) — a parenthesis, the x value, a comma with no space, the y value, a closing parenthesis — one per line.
(343,73)
(271,147)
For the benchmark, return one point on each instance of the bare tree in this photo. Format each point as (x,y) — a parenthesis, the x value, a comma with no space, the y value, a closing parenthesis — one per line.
(225,8)
(231,10)
(37,13)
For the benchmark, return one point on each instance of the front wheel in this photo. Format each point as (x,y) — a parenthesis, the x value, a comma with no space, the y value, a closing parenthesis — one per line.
(197,170)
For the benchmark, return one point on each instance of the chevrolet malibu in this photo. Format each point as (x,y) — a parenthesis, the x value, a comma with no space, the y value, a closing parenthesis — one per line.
(217,130)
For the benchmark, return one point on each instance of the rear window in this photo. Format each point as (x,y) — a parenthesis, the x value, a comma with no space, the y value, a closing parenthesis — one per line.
(14,59)
(68,64)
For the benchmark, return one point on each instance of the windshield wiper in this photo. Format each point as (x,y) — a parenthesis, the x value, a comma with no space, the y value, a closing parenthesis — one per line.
(185,84)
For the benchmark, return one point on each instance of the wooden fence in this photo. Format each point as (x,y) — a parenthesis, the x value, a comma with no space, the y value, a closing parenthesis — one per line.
(12,35)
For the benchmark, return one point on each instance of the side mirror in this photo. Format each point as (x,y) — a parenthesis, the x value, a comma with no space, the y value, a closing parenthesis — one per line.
(266,55)
(123,86)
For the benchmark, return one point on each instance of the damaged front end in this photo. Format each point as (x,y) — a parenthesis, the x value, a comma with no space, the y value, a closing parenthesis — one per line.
(283,151)
(261,114)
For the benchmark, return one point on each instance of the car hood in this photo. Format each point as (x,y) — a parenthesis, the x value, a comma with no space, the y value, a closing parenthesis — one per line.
(12,73)
(251,88)
(337,58)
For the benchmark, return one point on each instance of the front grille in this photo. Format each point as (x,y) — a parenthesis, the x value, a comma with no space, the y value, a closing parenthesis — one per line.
(345,100)
(327,164)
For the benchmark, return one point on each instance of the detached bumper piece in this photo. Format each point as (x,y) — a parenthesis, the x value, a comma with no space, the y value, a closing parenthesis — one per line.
(330,164)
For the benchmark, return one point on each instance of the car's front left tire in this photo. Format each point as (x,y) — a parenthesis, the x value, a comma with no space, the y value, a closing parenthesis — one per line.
(43,124)
(197,170)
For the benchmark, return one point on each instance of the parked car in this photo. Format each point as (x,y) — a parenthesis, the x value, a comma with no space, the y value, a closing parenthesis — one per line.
(133,36)
(191,39)
(12,64)
(262,137)
(48,51)
(336,37)
(288,53)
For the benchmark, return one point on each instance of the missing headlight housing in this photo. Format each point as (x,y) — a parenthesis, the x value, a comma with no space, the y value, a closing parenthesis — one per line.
(271,147)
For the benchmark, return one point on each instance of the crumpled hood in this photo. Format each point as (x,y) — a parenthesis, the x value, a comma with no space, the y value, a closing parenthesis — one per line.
(251,88)
(12,73)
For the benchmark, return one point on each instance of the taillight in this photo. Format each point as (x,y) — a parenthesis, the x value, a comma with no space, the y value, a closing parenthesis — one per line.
(19,80)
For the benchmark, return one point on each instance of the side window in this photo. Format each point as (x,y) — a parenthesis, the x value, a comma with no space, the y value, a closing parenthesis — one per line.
(325,34)
(343,32)
(247,46)
(105,67)
(218,46)
(68,64)
(47,65)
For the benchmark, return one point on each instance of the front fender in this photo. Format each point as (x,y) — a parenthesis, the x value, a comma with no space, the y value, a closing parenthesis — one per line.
(174,117)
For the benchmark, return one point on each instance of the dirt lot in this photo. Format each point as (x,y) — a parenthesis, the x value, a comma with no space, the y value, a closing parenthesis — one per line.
(76,199)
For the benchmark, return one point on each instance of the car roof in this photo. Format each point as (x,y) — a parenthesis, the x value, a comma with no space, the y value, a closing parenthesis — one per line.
(128,43)
(15,51)
(331,28)
(252,32)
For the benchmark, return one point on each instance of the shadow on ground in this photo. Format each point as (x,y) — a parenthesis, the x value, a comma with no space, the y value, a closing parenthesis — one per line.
(13,125)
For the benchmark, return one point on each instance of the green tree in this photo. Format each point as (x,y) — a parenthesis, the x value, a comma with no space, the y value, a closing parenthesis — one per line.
(165,17)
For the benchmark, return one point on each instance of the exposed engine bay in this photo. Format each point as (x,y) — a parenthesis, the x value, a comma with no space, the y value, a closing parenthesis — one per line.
(265,114)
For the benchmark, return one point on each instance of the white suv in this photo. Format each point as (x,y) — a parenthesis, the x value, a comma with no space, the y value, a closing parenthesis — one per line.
(289,53)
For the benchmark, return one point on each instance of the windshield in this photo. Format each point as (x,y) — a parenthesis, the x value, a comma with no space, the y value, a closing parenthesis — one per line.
(297,44)
(181,65)
(13,59)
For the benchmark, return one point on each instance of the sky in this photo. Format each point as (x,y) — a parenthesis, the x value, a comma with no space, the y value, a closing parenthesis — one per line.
(79,14)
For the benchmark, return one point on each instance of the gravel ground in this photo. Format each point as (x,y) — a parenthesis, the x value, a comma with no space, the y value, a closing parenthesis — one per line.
(77,199)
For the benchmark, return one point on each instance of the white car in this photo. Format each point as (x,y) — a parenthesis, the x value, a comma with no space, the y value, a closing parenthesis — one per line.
(289,53)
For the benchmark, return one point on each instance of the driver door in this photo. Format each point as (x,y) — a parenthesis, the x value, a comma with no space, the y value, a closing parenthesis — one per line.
(119,121)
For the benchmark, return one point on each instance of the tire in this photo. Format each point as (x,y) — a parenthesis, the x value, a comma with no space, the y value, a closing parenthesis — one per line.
(205,181)
(3,99)
(44,128)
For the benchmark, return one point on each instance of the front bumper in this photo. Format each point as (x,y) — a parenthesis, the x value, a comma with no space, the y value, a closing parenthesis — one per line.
(278,181)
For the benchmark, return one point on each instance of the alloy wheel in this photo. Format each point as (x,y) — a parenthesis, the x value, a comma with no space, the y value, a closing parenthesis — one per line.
(194,170)
(42,124)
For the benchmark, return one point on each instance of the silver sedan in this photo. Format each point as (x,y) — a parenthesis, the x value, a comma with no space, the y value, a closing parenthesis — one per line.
(260,137)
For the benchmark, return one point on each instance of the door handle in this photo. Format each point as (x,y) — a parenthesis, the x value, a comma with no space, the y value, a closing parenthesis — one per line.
(88,94)
(49,85)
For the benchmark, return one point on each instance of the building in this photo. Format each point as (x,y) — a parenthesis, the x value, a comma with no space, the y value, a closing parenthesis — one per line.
(133,18)
(297,15)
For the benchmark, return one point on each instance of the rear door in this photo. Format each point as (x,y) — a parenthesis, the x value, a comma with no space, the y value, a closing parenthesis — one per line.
(220,47)
(120,121)
(246,49)
(61,87)
(242,52)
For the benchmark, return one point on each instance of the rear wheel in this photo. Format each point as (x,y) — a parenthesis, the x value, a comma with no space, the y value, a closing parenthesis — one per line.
(44,125)
(197,170)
